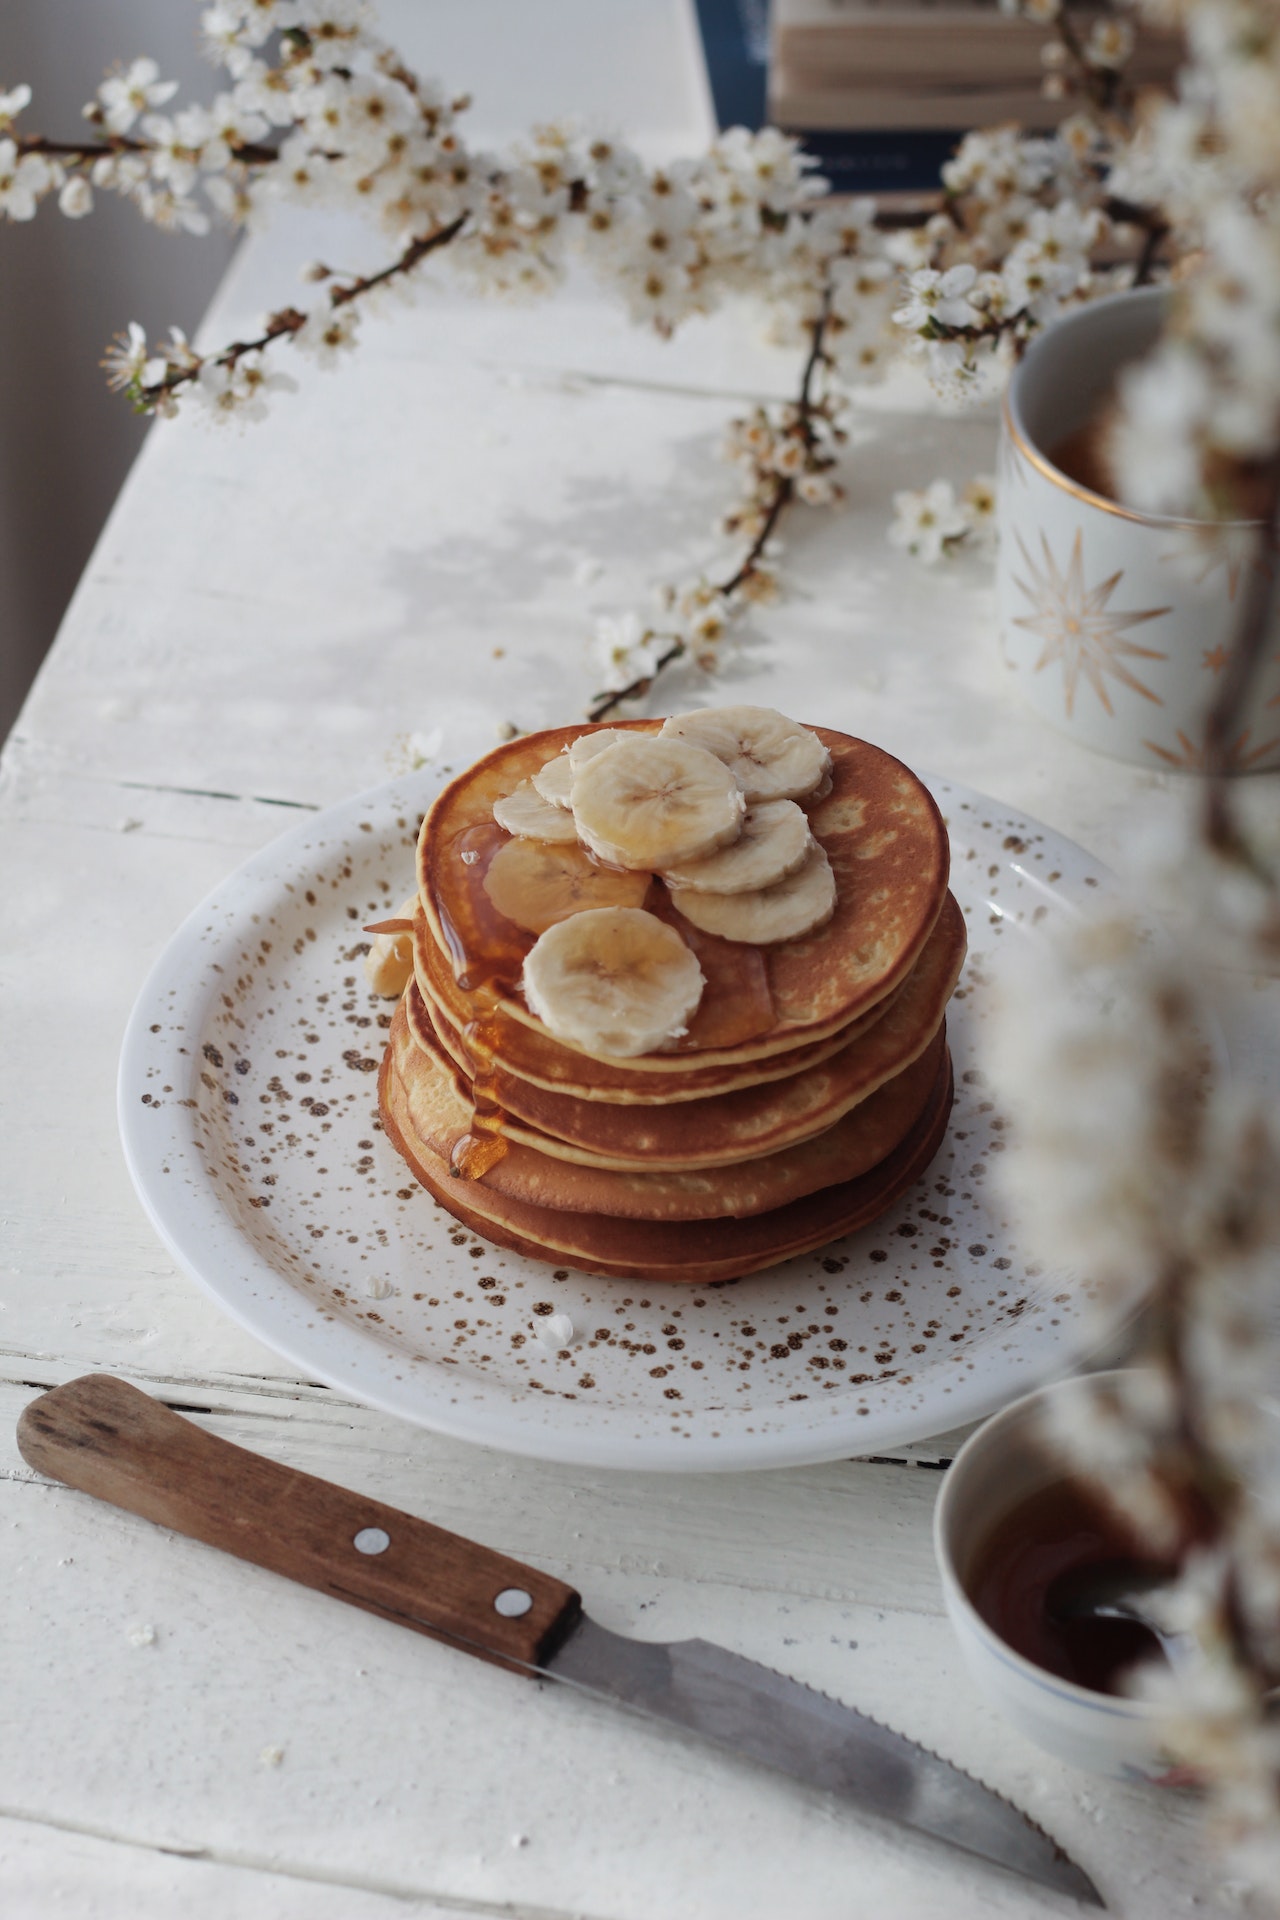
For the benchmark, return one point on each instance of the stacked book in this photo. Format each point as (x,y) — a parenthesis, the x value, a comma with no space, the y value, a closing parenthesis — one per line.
(923,64)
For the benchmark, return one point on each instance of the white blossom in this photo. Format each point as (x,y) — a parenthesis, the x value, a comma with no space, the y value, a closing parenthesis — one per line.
(925,521)
(12,103)
(626,650)
(1110,42)
(940,298)
(328,333)
(24,179)
(1157,436)
(238,389)
(978,505)
(124,97)
(126,357)
(334,28)
(173,161)
(76,198)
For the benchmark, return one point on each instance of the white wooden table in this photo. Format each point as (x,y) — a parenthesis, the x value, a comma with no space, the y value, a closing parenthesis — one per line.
(266,619)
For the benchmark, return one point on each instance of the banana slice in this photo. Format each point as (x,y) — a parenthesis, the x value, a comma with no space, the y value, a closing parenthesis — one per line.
(804,900)
(774,841)
(388,964)
(554,780)
(613,981)
(536,885)
(771,757)
(648,803)
(588,745)
(527,814)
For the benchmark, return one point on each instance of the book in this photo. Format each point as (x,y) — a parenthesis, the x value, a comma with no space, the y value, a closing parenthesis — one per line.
(882,91)
(924,63)
(735,44)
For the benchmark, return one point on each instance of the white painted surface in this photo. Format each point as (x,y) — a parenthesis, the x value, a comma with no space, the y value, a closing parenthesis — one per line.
(266,618)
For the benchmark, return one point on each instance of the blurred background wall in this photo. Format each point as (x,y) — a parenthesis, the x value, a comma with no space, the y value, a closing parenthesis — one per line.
(66,286)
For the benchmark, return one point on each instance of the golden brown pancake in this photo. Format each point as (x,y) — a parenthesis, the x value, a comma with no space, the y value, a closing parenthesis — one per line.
(698,1252)
(882,833)
(437,1115)
(812,1087)
(538,1059)
(720,1129)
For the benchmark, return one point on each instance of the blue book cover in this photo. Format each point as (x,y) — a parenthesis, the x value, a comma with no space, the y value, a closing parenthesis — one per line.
(735,43)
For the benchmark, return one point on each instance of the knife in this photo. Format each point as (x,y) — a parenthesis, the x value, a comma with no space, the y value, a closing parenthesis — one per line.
(109,1439)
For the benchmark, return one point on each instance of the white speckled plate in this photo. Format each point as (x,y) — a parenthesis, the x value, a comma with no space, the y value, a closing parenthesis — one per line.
(249,1118)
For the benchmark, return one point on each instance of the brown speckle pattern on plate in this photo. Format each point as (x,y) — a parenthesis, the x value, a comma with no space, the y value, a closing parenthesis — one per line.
(249,1117)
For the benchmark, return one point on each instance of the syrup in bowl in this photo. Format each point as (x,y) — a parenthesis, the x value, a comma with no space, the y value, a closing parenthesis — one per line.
(1051,1540)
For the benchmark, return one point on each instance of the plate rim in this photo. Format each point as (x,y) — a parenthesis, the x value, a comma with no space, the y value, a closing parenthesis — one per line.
(813,1443)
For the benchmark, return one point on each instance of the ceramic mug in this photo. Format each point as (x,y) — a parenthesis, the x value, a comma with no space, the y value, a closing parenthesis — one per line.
(1117,624)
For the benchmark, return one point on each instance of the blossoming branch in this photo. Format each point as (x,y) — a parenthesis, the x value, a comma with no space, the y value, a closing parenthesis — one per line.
(321,111)
(1137,1156)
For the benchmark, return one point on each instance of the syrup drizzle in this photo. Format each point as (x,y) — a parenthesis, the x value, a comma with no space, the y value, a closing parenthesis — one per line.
(486,951)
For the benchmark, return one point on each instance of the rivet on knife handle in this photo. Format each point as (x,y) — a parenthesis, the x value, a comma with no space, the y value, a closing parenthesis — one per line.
(106,1438)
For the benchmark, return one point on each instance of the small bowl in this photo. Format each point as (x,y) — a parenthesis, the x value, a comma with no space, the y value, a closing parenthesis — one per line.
(1004,1463)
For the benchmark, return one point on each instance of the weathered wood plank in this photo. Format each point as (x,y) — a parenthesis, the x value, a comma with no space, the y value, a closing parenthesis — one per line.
(46,1868)
(396,1750)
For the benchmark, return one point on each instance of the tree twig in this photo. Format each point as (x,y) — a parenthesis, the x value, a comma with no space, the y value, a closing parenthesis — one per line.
(1254,636)
(784,489)
(290,320)
(248,151)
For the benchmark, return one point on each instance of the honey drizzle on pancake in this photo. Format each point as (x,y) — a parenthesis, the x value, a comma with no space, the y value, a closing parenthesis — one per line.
(737,1002)
(484,1144)
(487,952)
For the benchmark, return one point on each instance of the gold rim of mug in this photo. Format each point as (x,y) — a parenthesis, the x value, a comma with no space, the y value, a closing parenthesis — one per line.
(1059,479)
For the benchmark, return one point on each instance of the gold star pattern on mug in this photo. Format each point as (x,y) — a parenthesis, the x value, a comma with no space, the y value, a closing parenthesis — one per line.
(1078,627)
(1192,757)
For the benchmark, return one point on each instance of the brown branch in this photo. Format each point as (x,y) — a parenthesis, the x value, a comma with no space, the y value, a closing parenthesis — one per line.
(784,488)
(116,144)
(290,321)
(603,704)
(783,494)
(416,250)
(1253,639)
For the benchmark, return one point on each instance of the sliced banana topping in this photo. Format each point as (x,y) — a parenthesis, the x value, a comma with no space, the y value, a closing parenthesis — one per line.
(526,813)
(537,885)
(554,780)
(649,803)
(613,981)
(774,841)
(804,900)
(389,961)
(588,745)
(771,757)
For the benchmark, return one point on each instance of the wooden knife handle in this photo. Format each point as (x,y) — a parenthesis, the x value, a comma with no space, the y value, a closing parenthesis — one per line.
(108,1439)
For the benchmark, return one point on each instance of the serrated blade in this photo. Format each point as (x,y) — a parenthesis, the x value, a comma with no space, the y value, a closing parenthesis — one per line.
(752,1710)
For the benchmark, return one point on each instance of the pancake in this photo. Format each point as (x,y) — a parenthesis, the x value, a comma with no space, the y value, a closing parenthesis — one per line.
(695,1252)
(438,1114)
(720,1129)
(808,1087)
(881,831)
(531,1054)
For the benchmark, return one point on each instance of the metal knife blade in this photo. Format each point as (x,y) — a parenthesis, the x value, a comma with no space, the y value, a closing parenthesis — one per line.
(108,1439)
(753,1710)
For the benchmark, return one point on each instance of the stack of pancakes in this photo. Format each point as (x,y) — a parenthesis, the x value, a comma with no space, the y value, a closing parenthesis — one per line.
(812,1088)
